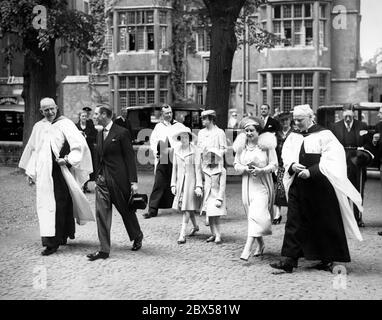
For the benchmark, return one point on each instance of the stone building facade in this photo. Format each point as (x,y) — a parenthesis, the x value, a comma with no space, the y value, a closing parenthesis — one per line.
(318,65)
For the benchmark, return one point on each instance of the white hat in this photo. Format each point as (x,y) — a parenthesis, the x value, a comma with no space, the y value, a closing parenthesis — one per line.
(181,128)
(208,113)
(215,151)
(46,102)
(303,110)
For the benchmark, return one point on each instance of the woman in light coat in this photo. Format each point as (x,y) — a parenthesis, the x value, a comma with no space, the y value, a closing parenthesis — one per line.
(186,181)
(214,203)
(256,159)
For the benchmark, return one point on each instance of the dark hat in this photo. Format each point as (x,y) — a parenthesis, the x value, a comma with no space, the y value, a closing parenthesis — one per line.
(361,157)
(87,109)
(284,115)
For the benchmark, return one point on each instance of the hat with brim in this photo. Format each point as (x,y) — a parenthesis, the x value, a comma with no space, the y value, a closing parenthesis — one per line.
(284,116)
(361,158)
(87,109)
(215,151)
(208,113)
(179,130)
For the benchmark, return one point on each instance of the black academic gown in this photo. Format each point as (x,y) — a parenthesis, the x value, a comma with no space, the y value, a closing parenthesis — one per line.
(314,227)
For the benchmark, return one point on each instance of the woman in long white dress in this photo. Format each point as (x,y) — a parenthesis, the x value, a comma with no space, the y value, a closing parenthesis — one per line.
(256,159)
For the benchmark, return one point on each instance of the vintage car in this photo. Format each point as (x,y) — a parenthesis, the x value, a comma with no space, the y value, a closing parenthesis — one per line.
(147,116)
(364,111)
(11,122)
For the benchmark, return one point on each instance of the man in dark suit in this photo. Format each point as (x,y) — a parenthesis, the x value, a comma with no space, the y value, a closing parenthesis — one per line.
(116,179)
(352,134)
(124,122)
(270,124)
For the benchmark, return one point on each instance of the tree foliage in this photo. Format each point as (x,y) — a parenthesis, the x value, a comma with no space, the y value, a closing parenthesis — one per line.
(73,28)
(191,16)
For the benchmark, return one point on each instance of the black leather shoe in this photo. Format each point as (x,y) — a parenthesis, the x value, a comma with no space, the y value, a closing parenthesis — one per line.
(361,224)
(277,221)
(288,268)
(137,243)
(149,215)
(380,233)
(324,266)
(48,251)
(97,255)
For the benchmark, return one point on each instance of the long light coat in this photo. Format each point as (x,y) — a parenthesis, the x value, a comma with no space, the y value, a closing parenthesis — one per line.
(186,176)
(214,189)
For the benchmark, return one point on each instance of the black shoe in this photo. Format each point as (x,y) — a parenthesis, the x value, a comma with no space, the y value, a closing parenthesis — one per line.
(288,268)
(64,242)
(361,224)
(137,243)
(323,266)
(149,215)
(97,255)
(277,221)
(380,233)
(48,251)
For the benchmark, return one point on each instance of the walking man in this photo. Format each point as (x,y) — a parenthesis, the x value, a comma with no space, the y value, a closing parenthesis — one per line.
(319,217)
(352,134)
(161,144)
(54,146)
(116,180)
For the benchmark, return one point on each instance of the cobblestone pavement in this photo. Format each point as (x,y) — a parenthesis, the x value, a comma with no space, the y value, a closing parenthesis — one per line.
(164,270)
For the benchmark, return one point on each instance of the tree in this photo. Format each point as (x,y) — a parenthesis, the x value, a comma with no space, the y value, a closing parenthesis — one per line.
(226,22)
(38,36)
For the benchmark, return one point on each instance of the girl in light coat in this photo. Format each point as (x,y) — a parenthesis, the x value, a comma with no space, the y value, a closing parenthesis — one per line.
(214,203)
(186,181)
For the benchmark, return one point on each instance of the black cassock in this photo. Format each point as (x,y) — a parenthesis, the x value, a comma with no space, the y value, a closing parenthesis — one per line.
(161,196)
(314,228)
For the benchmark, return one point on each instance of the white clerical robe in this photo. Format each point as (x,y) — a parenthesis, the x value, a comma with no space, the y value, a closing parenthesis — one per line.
(37,162)
(332,165)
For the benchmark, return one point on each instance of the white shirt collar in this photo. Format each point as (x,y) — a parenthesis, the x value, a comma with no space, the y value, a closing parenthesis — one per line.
(108,127)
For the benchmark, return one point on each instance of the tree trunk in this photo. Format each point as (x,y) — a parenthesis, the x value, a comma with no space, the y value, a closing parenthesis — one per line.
(39,82)
(223,14)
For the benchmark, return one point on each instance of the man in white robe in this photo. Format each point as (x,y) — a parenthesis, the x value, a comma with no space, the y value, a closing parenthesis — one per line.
(58,160)
(320,216)
(162,143)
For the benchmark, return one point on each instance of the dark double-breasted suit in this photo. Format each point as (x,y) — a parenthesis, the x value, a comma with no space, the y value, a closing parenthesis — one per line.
(116,171)
(272,125)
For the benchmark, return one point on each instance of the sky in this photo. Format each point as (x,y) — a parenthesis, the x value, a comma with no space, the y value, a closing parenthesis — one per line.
(371,28)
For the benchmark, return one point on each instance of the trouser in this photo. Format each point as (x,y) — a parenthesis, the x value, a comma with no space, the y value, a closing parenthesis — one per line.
(161,196)
(65,226)
(357,177)
(108,194)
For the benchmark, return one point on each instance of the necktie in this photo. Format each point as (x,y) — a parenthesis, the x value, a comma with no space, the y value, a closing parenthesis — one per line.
(348,127)
(105,133)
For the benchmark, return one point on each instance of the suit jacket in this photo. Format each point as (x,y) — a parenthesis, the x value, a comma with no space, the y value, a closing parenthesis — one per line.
(116,156)
(339,130)
(125,124)
(272,125)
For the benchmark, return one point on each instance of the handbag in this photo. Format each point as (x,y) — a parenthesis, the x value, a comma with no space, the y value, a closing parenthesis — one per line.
(138,201)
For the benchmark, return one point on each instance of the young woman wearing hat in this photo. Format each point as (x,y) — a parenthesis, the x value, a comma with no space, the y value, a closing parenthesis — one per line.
(186,181)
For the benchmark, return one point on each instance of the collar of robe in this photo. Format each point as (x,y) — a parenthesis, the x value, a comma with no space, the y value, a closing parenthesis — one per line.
(58,119)
(313,129)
